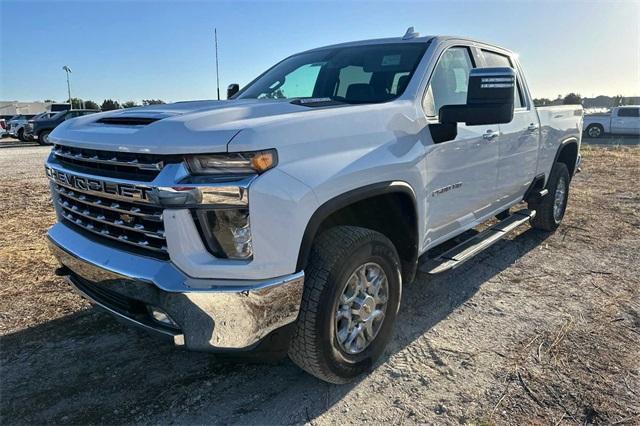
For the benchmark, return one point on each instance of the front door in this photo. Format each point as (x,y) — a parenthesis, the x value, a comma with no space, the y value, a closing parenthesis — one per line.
(627,121)
(461,174)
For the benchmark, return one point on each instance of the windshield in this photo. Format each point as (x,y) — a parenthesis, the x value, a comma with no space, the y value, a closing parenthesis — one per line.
(354,74)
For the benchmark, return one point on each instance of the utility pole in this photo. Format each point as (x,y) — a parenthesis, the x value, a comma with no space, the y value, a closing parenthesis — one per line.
(215,35)
(68,70)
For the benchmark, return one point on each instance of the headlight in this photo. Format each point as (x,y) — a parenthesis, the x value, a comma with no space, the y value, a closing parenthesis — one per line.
(226,232)
(233,163)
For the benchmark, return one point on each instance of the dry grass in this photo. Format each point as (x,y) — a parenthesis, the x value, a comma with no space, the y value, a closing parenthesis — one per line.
(540,329)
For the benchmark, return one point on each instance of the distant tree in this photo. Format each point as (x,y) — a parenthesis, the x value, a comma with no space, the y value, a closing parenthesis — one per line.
(76,103)
(542,101)
(129,104)
(109,104)
(91,105)
(153,102)
(49,101)
(618,100)
(572,99)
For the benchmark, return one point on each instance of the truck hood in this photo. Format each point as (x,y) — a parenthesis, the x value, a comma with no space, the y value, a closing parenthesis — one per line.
(178,128)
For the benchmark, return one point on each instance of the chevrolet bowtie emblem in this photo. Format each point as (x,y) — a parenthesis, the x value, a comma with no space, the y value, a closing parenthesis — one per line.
(126,218)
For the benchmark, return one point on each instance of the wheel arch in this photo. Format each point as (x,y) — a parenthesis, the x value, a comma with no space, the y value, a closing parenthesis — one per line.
(568,154)
(361,207)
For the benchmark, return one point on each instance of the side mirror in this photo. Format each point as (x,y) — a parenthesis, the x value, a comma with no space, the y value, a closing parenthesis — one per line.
(489,98)
(232,89)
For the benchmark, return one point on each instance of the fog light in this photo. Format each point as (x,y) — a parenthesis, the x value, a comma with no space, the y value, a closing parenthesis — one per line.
(162,317)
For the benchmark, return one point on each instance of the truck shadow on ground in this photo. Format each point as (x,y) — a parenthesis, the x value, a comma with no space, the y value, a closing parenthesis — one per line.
(87,368)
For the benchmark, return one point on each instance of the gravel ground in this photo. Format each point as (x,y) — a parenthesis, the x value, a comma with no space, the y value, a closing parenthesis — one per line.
(538,329)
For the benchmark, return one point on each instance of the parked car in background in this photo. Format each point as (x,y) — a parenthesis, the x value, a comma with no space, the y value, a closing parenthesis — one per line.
(15,126)
(42,127)
(623,120)
(3,126)
(28,128)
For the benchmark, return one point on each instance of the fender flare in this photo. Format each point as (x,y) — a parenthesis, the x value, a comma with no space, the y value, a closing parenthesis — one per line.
(572,140)
(343,200)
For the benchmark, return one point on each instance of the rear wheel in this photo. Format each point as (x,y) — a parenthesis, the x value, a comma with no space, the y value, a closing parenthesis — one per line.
(595,130)
(550,209)
(349,305)
(43,137)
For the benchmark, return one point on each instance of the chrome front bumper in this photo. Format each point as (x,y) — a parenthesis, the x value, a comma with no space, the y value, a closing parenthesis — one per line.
(208,314)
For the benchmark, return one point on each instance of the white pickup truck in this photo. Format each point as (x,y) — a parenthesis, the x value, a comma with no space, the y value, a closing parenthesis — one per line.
(624,120)
(292,214)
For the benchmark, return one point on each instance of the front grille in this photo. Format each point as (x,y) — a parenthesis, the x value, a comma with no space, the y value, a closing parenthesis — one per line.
(135,226)
(123,165)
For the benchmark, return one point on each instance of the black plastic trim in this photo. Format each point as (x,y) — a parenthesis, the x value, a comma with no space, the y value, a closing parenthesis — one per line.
(344,200)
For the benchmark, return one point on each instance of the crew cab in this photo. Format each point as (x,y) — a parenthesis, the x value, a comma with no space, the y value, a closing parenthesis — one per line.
(292,214)
(623,120)
(41,128)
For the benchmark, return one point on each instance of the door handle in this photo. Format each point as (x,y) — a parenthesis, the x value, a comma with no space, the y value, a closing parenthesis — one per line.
(490,135)
(532,127)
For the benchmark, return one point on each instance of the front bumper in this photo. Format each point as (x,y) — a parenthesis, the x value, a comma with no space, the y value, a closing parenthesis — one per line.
(207,314)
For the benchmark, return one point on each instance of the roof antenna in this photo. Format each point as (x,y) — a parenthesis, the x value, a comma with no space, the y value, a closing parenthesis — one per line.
(411,33)
(215,35)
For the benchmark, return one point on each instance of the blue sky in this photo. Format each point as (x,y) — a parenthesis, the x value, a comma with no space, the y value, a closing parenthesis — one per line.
(132,50)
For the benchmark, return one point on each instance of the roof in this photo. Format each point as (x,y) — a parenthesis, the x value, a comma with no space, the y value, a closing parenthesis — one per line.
(422,39)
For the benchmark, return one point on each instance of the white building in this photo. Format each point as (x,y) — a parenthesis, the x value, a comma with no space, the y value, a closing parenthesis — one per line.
(16,107)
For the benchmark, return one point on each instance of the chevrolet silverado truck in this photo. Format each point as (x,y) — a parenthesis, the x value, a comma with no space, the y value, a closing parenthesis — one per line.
(624,120)
(293,213)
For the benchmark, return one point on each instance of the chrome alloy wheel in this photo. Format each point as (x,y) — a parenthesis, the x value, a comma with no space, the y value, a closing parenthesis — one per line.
(361,308)
(558,202)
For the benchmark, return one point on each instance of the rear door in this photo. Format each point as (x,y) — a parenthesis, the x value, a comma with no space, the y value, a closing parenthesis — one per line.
(626,121)
(461,173)
(518,141)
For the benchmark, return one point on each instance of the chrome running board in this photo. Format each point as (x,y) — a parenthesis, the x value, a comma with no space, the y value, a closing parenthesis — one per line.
(464,251)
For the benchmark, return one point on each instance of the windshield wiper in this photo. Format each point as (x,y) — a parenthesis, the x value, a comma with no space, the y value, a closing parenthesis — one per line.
(316,102)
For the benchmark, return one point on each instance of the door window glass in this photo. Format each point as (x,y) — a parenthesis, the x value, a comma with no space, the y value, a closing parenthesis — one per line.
(628,112)
(449,82)
(493,59)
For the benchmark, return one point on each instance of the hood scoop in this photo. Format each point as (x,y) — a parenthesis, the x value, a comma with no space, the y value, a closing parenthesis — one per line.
(128,121)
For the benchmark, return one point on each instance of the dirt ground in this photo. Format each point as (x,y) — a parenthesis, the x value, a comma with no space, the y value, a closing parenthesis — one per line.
(539,329)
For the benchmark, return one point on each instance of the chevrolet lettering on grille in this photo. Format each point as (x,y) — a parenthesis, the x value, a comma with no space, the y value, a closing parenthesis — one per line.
(91,185)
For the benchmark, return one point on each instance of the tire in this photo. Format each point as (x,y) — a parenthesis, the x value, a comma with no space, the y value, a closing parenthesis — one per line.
(21,135)
(43,137)
(547,217)
(336,256)
(595,131)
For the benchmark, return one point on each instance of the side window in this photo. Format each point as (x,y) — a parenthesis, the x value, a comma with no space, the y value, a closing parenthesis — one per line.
(70,115)
(449,81)
(629,112)
(493,59)
(299,83)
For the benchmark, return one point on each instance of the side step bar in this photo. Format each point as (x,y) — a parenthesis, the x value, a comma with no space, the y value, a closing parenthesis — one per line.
(464,251)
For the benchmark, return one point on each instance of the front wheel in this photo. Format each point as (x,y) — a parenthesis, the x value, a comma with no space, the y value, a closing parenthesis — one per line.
(550,209)
(349,304)
(21,135)
(43,137)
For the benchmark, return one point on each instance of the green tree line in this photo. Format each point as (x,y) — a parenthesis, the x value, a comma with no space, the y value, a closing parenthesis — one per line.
(108,104)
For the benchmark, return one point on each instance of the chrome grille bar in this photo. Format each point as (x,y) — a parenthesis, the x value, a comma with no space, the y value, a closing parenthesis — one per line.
(116,206)
(91,156)
(87,214)
(104,232)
